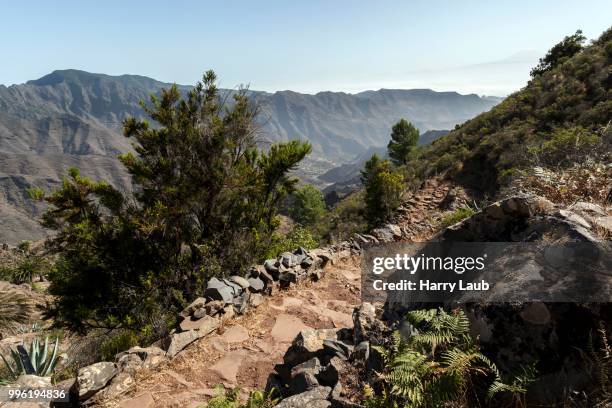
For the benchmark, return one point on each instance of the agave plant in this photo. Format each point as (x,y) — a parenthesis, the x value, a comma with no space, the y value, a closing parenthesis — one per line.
(38,360)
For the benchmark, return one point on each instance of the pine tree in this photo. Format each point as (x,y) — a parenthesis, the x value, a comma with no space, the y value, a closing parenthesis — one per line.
(404,138)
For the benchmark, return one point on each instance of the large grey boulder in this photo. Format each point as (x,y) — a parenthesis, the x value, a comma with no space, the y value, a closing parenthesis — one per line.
(271,266)
(239,280)
(387,233)
(219,290)
(286,259)
(365,322)
(93,378)
(316,398)
(178,341)
(256,285)
(138,358)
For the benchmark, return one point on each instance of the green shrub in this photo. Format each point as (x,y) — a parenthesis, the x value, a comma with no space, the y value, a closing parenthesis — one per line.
(308,205)
(205,203)
(565,146)
(229,399)
(456,216)
(297,237)
(558,115)
(384,185)
(343,220)
(121,341)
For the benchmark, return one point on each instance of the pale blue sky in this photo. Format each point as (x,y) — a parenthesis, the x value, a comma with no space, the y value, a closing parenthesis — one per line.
(484,47)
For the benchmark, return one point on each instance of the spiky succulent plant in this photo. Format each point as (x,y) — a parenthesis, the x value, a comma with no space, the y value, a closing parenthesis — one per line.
(34,360)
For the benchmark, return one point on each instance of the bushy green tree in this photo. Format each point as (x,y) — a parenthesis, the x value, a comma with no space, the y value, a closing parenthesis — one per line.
(308,205)
(404,138)
(205,203)
(384,186)
(562,51)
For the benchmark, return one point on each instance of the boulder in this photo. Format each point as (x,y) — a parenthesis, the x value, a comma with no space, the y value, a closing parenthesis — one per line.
(239,280)
(256,299)
(235,287)
(271,266)
(303,381)
(205,325)
(138,358)
(121,383)
(93,378)
(241,303)
(365,321)
(287,278)
(286,259)
(33,381)
(333,372)
(212,308)
(308,344)
(219,290)
(338,348)
(315,398)
(322,253)
(387,233)
(362,351)
(194,306)
(307,262)
(303,376)
(587,209)
(178,341)
(256,285)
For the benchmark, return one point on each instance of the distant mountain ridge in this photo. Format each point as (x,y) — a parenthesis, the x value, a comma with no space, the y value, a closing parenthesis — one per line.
(73,118)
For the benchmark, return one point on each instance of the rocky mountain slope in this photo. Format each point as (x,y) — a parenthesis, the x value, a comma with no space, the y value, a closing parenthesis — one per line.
(73,118)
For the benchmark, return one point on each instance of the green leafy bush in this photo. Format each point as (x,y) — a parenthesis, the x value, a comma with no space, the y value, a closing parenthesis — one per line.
(297,237)
(456,216)
(308,205)
(206,204)
(229,399)
(383,186)
(116,343)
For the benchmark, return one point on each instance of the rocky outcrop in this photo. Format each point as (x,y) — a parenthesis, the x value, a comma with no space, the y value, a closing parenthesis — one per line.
(547,334)
(93,378)
(326,363)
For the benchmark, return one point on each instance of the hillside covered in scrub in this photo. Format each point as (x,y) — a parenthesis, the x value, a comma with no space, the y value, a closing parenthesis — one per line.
(562,114)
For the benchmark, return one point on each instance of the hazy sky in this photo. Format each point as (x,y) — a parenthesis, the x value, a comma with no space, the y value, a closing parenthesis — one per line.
(484,47)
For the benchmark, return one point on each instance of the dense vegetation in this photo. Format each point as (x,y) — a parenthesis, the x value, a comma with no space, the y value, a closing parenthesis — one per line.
(205,205)
(383,185)
(441,365)
(562,116)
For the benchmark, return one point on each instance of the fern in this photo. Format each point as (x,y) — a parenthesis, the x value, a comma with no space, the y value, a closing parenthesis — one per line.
(436,365)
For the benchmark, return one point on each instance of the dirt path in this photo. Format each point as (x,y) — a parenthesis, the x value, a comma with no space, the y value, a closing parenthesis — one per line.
(244,352)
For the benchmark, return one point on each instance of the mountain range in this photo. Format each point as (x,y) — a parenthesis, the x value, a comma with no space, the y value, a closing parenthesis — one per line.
(73,118)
